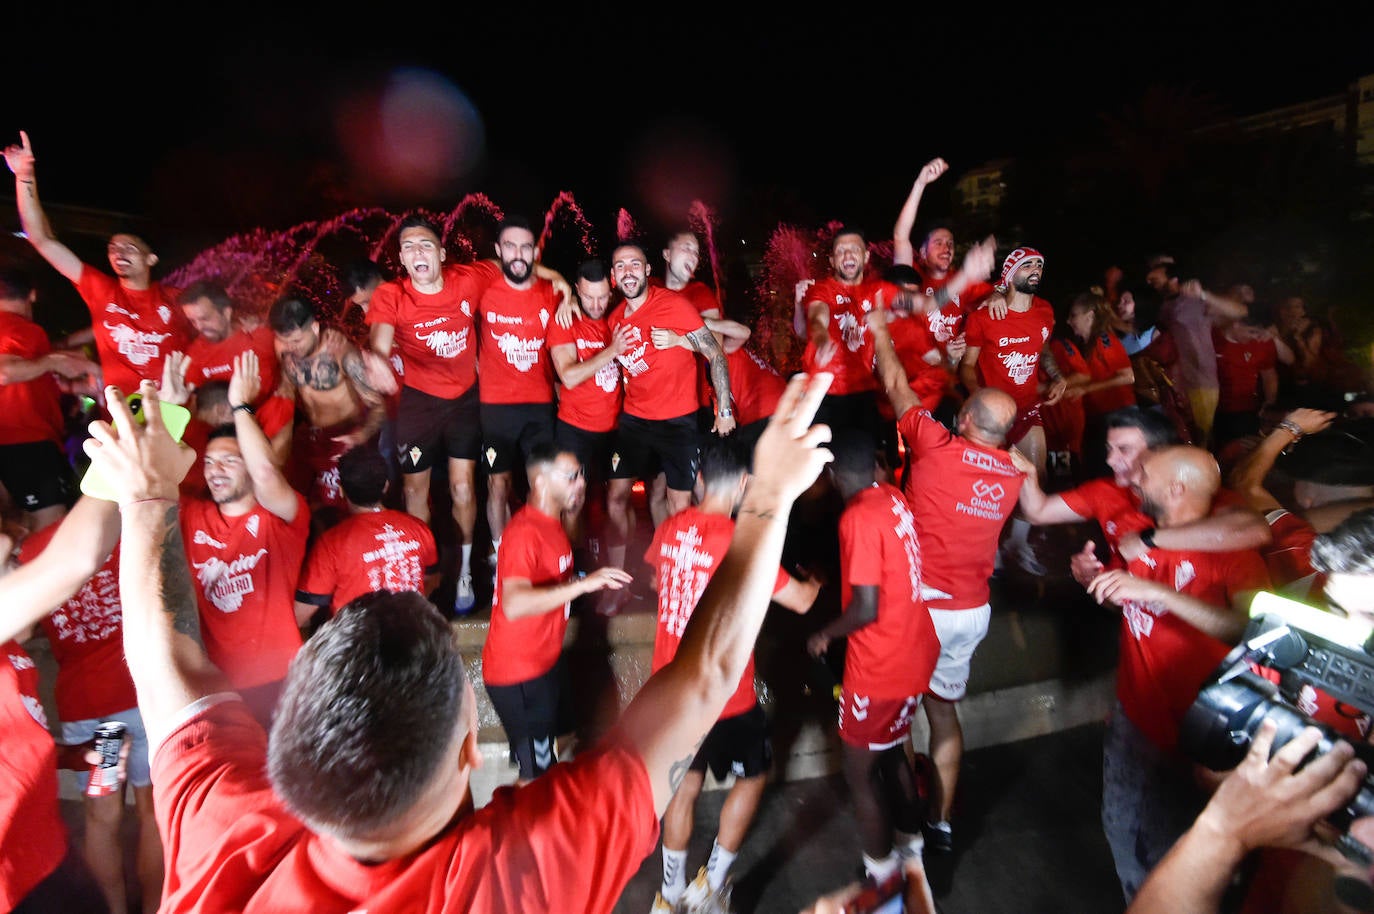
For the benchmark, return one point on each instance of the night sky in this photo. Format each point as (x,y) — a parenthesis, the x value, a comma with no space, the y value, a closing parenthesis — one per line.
(257,120)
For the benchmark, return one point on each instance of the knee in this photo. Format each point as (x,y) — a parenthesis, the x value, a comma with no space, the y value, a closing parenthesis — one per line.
(460,490)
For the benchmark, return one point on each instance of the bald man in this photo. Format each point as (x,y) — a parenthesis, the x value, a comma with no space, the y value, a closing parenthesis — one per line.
(1181,612)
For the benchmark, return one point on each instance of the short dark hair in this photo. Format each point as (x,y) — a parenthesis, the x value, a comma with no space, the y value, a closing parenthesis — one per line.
(855,453)
(849,229)
(226,430)
(540,455)
(931,229)
(722,462)
(290,314)
(207,288)
(1348,547)
(363,475)
(419,220)
(16,284)
(1156,427)
(212,394)
(359,273)
(592,271)
(515,221)
(372,704)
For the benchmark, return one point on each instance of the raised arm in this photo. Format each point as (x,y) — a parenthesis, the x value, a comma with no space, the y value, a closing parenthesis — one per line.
(32,219)
(521,597)
(1249,474)
(1037,506)
(977,267)
(903,251)
(270,485)
(162,641)
(78,548)
(671,715)
(895,383)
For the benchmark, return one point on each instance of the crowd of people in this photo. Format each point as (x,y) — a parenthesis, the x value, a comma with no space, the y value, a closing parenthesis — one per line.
(252,588)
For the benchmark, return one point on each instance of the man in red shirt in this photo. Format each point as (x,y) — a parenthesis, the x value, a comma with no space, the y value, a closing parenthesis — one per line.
(40,868)
(891,652)
(246,544)
(1247,377)
(657,429)
(374,548)
(210,311)
(427,317)
(535,586)
(589,400)
(516,389)
(34,468)
(134,319)
(1181,613)
(686,550)
(837,337)
(962,489)
(360,797)
(1009,353)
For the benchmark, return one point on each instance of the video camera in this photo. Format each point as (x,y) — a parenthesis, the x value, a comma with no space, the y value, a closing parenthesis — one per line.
(1304,646)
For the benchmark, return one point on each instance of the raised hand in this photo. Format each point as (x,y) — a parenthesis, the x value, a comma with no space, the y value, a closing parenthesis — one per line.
(141,461)
(174,387)
(931,171)
(20,158)
(790,453)
(244,383)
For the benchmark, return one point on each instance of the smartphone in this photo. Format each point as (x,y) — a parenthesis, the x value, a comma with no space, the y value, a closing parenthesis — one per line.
(174,417)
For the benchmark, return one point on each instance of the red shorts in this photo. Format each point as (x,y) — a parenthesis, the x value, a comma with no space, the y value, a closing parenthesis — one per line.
(875,723)
(317,454)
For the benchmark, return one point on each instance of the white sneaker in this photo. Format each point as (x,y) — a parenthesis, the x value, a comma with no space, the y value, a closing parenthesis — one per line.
(464,599)
(660,906)
(700,899)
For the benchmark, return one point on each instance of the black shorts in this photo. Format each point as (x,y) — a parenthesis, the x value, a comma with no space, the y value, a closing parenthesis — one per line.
(643,447)
(737,745)
(37,475)
(593,449)
(529,714)
(511,430)
(846,411)
(428,427)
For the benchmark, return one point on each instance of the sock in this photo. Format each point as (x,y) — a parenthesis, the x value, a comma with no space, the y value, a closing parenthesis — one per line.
(718,866)
(909,846)
(674,875)
(467,559)
(881,870)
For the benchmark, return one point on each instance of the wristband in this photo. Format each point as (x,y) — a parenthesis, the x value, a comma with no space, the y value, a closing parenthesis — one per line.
(246,408)
(1291,427)
(1147,536)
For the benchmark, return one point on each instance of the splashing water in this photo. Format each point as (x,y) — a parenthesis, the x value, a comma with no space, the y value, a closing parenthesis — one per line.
(703,222)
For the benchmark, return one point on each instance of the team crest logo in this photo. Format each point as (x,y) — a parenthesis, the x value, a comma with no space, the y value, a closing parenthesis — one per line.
(543,317)
(252,526)
(491,456)
(615,462)
(1044,334)
(164,312)
(414,455)
(1184,574)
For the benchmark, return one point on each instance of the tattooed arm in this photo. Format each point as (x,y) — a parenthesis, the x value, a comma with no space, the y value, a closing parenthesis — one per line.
(162,641)
(373,403)
(705,343)
(671,714)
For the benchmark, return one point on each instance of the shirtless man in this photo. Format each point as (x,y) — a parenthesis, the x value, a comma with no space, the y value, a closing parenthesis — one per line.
(337,392)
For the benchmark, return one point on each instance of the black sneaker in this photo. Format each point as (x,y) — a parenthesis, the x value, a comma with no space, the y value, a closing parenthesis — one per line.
(939,837)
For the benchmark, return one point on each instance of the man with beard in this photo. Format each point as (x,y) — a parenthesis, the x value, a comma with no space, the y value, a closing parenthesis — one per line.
(1009,353)
(837,337)
(589,395)
(1181,612)
(516,392)
(657,429)
(135,322)
(246,544)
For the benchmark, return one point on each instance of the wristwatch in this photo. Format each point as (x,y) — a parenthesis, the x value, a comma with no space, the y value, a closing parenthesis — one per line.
(726,413)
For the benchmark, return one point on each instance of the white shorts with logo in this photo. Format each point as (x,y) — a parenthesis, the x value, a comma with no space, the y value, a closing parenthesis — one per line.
(960,631)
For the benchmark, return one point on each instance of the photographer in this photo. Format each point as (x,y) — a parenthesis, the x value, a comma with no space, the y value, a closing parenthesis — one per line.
(1274,803)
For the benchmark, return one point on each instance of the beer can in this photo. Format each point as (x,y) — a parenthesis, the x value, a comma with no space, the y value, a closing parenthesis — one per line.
(109,740)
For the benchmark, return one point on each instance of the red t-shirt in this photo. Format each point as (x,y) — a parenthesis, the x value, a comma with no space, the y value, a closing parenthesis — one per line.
(911,340)
(569,841)
(703,298)
(1010,349)
(367,552)
(1289,555)
(246,569)
(659,383)
(274,414)
(536,548)
(894,655)
(686,550)
(1238,371)
(86,635)
(593,405)
(434,333)
(29,410)
(1066,421)
(511,358)
(961,494)
(33,837)
(755,386)
(134,331)
(1117,509)
(1163,660)
(852,363)
(215,361)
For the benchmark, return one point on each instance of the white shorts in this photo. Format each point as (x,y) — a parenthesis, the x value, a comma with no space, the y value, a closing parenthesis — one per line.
(960,631)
